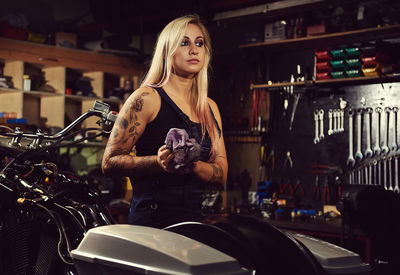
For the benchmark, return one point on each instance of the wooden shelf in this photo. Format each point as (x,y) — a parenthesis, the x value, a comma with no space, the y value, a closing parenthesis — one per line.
(8,90)
(242,139)
(72,58)
(80,98)
(338,81)
(331,39)
(40,94)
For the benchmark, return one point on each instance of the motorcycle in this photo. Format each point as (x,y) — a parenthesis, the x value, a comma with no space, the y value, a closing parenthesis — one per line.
(55,222)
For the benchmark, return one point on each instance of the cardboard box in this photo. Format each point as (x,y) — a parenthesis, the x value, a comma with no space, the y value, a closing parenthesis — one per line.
(66,40)
(275,31)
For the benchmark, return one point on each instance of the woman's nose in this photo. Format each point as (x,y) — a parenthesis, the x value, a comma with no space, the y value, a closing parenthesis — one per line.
(193,50)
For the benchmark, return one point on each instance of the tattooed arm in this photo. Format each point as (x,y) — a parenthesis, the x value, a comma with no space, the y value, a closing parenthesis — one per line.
(139,109)
(216,171)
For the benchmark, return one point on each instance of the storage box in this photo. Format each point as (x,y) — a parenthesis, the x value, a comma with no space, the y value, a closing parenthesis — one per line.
(66,40)
(275,31)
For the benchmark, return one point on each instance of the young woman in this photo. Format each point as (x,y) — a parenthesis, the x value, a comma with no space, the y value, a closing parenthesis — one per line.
(172,95)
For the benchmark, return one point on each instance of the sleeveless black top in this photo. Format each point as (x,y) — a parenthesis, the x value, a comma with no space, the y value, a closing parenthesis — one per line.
(165,199)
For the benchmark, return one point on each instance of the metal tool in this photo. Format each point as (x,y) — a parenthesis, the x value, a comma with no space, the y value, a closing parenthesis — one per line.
(358,154)
(330,116)
(396,175)
(390,173)
(335,121)
(370,174)
(316,118)
(377,148)
(394,145)
(288,162)
(385,148)
(368,151)
(295,103)
(296,187)
(350,160)
(366,177)
(341,128)
(379,173)
(326,195)
(375,175)
(384,173)
(321,124)
(316,192)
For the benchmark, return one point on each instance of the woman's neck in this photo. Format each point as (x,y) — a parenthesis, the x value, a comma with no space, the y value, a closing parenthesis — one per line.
(179,86)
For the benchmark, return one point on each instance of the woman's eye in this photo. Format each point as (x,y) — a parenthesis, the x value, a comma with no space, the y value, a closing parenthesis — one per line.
(184,43)
(199,43)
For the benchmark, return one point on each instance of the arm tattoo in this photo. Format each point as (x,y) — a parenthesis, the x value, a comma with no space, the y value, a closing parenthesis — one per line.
(126,129)
(217,173)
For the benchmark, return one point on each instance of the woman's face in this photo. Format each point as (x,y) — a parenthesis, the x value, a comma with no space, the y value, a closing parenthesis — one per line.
(189,57)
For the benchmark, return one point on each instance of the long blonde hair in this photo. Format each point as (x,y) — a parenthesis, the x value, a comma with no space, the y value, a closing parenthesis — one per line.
(161,67)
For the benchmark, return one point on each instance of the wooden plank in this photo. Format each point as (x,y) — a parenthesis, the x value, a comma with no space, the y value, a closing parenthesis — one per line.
(330,39)
(71,58)
(53,109)
(11,102)
(56,78)
(97,82)
(15,69)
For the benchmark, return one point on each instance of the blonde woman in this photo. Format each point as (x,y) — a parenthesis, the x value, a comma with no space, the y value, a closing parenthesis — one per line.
(172,95)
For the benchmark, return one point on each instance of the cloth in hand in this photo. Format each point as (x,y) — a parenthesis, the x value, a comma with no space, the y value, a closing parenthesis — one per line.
(186,150)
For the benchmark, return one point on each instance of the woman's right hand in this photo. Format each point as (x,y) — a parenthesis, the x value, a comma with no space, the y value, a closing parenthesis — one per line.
(165,159)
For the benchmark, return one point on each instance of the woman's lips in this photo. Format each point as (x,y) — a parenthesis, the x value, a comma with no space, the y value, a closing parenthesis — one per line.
(193,61)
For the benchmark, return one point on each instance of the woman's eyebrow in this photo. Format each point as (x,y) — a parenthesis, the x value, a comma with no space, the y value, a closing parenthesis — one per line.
(195,38)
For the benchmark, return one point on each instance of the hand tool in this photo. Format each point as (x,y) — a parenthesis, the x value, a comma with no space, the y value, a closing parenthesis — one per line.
(359,175)
(335,122)
(326,195)
(375,175)
(254,110)
(396,175)
(394,146)
(366,175)
(316,192)
(390,173)
(384,173)
(330,115)
(368,152)
(377,148)
(288,162)
(285,186)
(370,173)
(296,187)
(385,148)
(321,124)
(316,139)
(339,186)
(341,128)
(350,160)
(295,103)
(358,154)
(379,173)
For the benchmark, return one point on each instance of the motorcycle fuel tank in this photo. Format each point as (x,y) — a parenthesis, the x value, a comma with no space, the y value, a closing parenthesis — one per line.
(129,249)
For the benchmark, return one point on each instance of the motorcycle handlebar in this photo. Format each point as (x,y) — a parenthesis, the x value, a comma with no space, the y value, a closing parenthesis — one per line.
(100,109)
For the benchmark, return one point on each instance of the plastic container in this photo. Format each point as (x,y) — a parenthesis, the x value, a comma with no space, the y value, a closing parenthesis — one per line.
(338,74)
(322,54)
(354,72)
(338,64)
(369,71)
(323,66)
(353,62)
(353,51)
(338,53)
(369,61)
(323,75)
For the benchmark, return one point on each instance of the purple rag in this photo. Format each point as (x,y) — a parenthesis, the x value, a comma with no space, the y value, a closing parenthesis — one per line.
(186,150)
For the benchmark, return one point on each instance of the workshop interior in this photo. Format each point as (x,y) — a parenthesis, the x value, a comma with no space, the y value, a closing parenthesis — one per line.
(308,92)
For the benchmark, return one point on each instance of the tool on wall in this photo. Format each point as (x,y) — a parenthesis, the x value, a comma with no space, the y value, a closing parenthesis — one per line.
(350,159)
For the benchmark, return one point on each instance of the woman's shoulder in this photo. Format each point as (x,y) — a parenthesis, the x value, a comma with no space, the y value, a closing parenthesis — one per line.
(213,105)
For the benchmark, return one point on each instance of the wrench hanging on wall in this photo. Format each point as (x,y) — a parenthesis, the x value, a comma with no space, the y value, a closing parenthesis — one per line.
(385,126)
(377,148)
(368,151)
(358,154)
(393,120)
(350,160)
